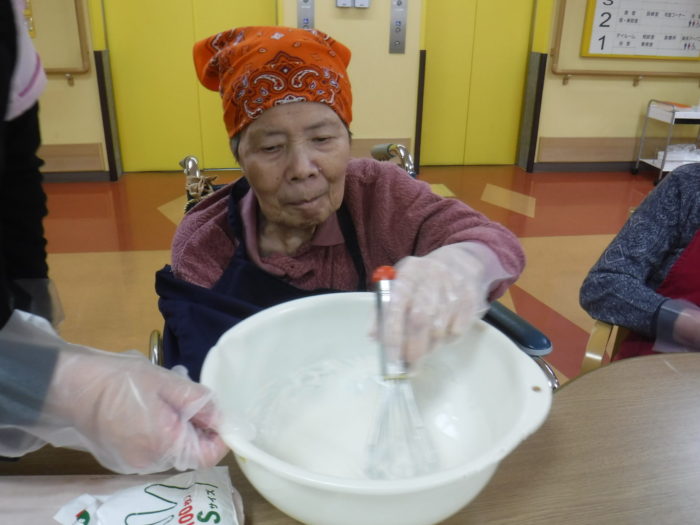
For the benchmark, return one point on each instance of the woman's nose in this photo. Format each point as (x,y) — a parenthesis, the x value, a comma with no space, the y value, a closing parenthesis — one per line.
(301,164)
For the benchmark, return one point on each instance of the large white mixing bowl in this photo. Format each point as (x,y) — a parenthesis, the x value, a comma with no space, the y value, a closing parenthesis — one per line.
(298,387)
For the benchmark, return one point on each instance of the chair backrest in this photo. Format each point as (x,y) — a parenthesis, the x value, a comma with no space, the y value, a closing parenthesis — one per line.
(603,344)
(604,341)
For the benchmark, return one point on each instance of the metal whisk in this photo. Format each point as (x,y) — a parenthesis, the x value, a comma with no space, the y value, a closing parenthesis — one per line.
(399,445)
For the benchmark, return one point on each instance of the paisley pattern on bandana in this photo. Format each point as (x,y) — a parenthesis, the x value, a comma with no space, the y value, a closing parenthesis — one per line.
(257,68)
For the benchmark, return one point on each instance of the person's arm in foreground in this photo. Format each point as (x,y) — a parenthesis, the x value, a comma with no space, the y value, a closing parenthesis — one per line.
(132,416)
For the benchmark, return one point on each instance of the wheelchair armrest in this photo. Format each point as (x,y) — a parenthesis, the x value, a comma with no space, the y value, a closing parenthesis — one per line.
(528,338)
(155,348)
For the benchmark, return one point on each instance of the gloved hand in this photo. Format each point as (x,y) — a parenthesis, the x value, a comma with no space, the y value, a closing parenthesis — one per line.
(434,297)
(133,416)
(678,327)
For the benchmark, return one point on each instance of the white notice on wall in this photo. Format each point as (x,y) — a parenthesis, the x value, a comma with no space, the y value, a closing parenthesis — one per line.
(665,29)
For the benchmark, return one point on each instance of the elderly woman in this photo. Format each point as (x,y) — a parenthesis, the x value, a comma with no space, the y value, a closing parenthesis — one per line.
(307,219)
(647,279)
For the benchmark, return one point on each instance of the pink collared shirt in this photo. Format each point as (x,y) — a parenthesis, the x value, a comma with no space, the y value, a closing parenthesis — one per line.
(394,216)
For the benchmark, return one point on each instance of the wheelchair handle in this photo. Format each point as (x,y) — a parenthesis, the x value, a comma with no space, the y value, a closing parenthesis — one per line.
(190,165)
(388,151)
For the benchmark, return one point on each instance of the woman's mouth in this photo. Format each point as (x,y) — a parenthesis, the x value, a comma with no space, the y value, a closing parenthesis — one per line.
(302,203)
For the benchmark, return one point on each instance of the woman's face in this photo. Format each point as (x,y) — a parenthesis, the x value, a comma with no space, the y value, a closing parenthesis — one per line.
(294,157)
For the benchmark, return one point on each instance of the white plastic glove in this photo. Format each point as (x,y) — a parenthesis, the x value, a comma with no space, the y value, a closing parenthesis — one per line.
(133,416)
(678,327)
(434,297)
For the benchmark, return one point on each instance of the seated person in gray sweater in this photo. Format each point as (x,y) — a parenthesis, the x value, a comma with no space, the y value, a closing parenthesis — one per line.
(648,278)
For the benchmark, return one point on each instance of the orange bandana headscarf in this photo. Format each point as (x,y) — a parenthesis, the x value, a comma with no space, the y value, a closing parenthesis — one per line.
(256,68)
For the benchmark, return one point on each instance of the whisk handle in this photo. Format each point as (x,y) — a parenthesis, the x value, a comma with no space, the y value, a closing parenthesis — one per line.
(392,364)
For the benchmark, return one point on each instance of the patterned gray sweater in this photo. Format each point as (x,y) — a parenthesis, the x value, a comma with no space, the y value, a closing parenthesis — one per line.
(620,288)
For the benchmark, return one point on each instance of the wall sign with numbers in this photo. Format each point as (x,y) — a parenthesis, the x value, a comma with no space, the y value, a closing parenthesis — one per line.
(660,29)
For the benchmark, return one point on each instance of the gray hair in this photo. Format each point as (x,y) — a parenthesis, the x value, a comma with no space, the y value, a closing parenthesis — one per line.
(234,143)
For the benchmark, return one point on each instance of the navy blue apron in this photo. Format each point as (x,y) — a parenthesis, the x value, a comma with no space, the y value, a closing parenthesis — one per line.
(195,317)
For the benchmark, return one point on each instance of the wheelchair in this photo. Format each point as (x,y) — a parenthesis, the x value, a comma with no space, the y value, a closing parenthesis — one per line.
(527,337)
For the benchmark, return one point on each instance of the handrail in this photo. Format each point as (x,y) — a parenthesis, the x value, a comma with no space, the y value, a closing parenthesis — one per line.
(68,72)
(568,73)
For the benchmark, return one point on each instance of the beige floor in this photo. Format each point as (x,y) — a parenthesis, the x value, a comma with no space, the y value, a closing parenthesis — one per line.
(109,298)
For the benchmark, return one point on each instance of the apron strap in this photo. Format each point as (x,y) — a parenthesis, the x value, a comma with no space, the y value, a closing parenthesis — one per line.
(350,234)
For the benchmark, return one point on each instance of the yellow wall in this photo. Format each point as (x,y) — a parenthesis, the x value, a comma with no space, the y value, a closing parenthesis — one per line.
(384,85)
(162,111)
(69,114)
(473,85)
(474,81)
(473,91)
(606,107)
(542,25)
(97,24)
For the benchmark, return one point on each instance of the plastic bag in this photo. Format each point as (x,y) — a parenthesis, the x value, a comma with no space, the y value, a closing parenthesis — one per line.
(198,496)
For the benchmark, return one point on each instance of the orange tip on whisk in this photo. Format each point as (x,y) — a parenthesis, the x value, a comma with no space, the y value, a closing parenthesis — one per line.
(383,273)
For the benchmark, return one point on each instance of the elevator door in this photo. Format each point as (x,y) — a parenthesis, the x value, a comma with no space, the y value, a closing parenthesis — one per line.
(163,113)
(476,60)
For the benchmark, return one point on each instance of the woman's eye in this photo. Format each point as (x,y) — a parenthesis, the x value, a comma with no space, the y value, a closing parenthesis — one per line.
(270,149)
(321,140)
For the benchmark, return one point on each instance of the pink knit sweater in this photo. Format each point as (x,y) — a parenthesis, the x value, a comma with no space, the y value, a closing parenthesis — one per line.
(393,214)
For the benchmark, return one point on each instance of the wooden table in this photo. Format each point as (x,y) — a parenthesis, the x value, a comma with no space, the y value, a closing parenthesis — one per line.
(621,445)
